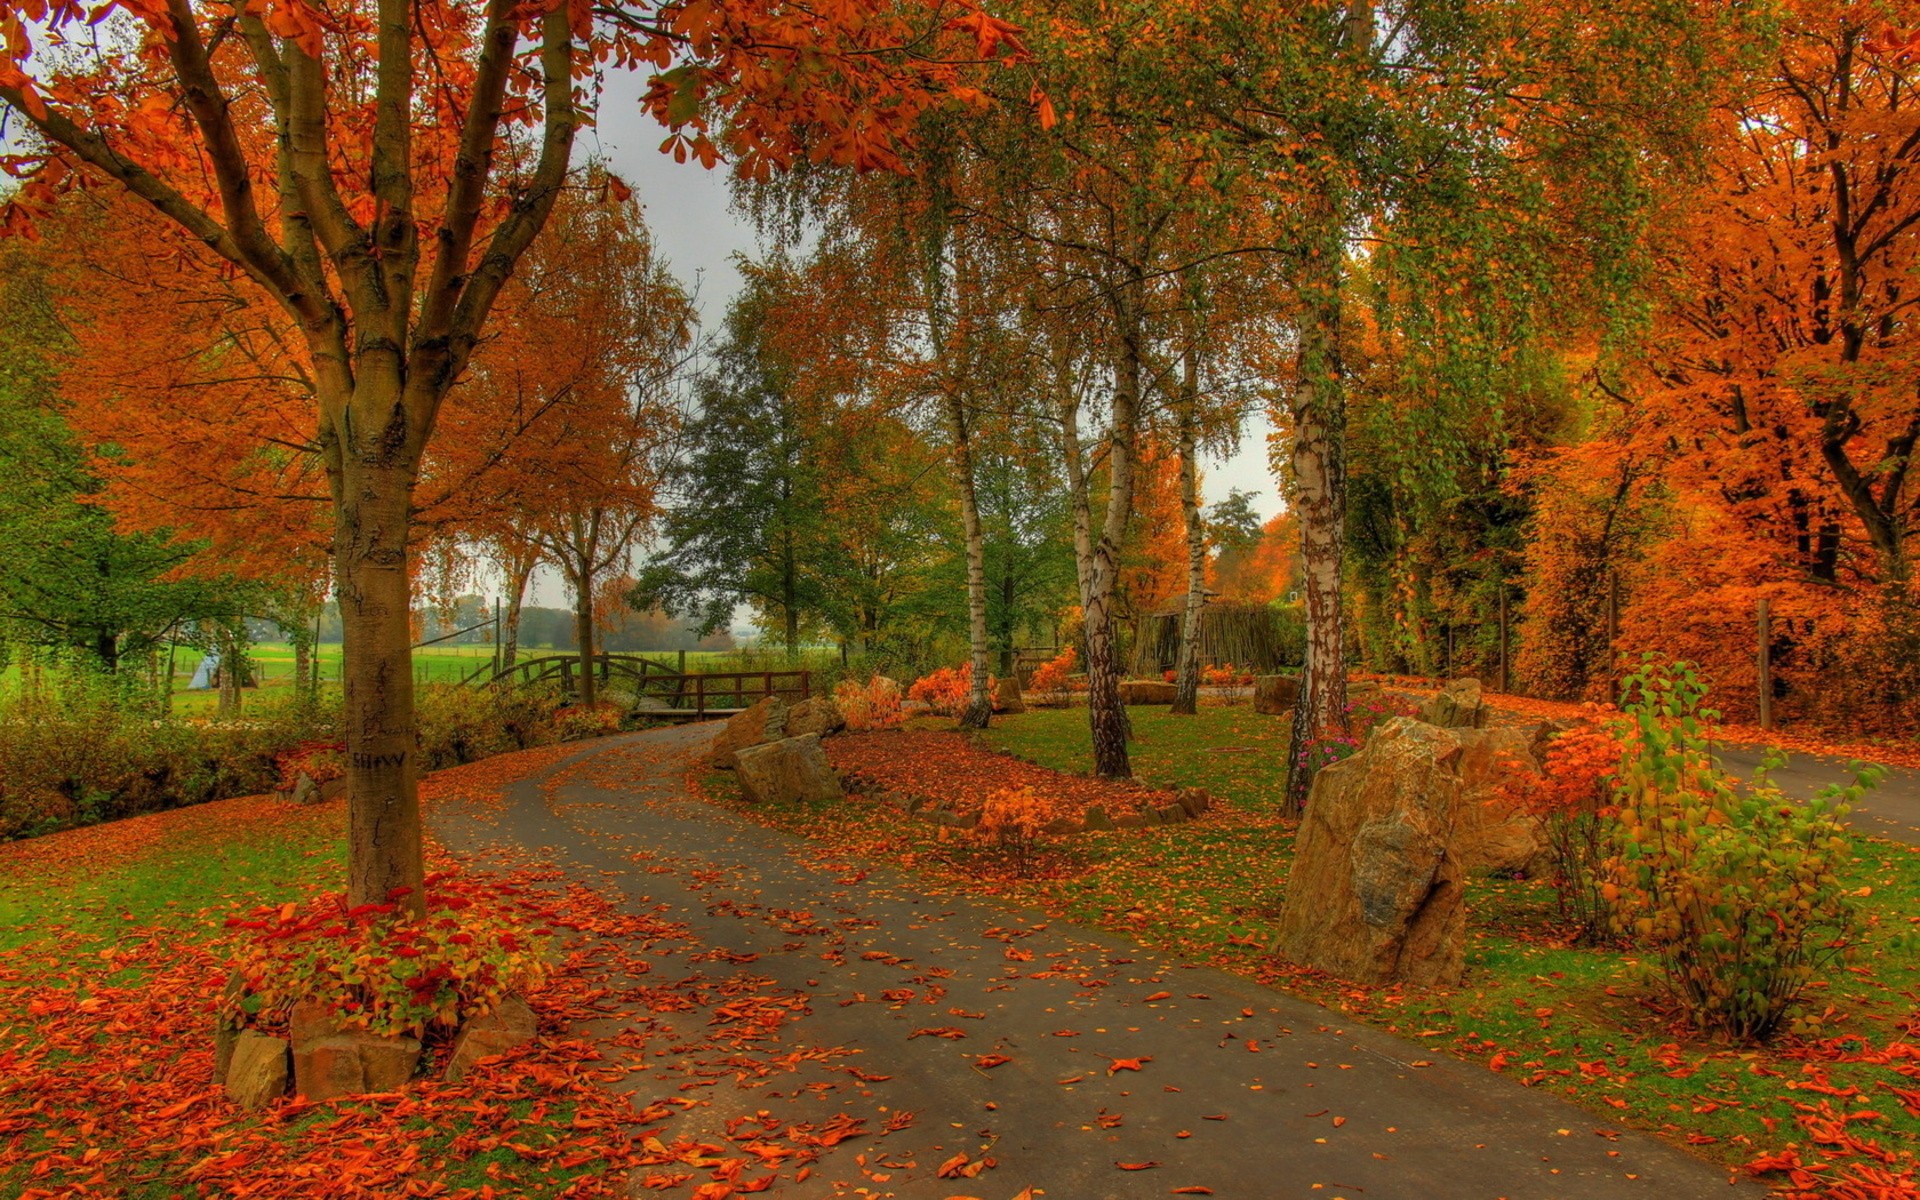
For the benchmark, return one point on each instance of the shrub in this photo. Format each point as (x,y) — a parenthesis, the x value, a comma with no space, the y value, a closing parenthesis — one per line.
(1736,891)
(1015,819)
(1049,682)
(383,970)
(872,705)
(577,721)
(946,691)
(464,724)
(1573,799)
(1363,716)
(78,748)
(319,761)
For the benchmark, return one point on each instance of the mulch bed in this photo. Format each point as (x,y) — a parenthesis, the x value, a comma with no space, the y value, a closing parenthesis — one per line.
(954,770)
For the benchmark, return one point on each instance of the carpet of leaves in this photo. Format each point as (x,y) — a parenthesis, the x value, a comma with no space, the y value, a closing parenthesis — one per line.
(106,1053)
(951,767)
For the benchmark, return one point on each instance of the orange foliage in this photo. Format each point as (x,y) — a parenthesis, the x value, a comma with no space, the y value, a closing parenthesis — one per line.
(1264,572)
(868,706)
(1153,570)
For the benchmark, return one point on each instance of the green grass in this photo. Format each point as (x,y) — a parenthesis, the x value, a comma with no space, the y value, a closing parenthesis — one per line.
(1577,1020)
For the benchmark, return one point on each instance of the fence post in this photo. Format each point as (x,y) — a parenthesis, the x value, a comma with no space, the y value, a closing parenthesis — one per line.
(806,684)
(1764,621)
(683,662)
(699,696)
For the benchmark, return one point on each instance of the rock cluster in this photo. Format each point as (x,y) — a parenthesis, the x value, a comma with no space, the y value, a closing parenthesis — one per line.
(322,1058)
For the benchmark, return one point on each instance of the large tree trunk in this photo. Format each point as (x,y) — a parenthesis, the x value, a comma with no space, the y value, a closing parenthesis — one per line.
(1318,416)
(1186,692)
(979,708)
(370,556)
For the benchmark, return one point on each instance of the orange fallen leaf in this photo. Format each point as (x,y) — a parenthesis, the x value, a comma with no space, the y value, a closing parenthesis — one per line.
(1139,1166)
(1159,996)
(1127,1064)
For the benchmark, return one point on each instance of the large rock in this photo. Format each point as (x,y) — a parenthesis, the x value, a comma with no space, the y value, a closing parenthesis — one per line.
(331,1058)
(257,1070)
(505,1028)
(817,715)
(1006,695)
(1456,706)
(353,1064)
(1145,691)
(1375,894)
(764,721)
(1490,831)
(1275,694)
(787,770)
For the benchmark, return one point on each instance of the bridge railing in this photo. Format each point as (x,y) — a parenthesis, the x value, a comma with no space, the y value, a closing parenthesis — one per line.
(694,693)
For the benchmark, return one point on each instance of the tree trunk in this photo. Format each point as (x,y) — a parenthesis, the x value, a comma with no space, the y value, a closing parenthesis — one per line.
(583,632)
(1186,691)
(370,555)
(1318,416)
(979,707)
(106,647)
(516,596)
(1106,715)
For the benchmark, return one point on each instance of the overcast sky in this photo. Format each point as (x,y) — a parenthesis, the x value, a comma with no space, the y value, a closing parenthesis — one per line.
(696,229)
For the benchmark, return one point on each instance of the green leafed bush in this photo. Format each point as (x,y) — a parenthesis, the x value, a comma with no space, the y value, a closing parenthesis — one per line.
(1733,887)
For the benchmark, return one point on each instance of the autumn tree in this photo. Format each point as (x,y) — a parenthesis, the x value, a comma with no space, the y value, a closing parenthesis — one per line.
(378,171)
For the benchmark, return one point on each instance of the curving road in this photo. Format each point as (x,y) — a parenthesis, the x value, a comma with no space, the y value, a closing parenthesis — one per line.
(1239,1089)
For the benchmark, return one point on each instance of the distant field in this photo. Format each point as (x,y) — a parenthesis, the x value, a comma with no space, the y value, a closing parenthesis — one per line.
(273,666)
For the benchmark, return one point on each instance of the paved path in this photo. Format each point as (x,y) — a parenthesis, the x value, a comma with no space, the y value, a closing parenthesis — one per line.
(1321,1109)
(1890,811)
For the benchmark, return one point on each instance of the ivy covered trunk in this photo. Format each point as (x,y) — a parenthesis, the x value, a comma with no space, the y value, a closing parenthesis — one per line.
(589,693)
(1318,469)
(374,500)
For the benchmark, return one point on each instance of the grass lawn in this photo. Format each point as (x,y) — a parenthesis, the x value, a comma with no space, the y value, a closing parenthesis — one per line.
(1577,1020)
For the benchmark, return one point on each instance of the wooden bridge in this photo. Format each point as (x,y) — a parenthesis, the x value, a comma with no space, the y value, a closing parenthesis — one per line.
(660,690)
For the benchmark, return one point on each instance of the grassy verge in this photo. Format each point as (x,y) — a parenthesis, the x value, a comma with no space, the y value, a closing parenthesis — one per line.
(1576,1020)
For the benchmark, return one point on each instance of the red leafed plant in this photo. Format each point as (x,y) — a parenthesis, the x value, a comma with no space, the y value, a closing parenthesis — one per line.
(1049,682)
(386,971)
(1573,798)
(867,706)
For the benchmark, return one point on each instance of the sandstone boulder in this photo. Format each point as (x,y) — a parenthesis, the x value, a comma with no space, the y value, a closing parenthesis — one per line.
(764,721)
(1097,818)
(817,715)
(1456,706)
(1145,691)
(331,1058)
(1375,894)
(353,1064)
(505,1028)
(1006,695)
(256,1070)
(787,770)
(1490,833)
(1275,694)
